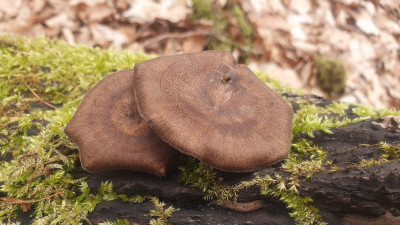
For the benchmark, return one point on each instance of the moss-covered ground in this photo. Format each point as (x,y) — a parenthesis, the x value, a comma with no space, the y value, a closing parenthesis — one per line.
(42,83)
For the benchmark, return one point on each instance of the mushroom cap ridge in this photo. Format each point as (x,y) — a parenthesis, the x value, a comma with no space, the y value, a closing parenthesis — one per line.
(111,134)
(206,105)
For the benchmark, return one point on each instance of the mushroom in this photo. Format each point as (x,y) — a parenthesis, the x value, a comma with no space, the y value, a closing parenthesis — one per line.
(207,106)
(110,133)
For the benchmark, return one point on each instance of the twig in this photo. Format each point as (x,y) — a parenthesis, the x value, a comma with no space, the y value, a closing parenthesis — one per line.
(15,201)
(195,33)
(20,52)
(38,97)
(359,146)
(175,35)
(243,48)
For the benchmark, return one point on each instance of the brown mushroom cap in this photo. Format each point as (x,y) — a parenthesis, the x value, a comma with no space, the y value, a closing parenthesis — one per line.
(111,134)
(206,105)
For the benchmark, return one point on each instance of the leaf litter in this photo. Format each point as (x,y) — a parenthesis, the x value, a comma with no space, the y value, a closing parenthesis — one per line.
(286,38)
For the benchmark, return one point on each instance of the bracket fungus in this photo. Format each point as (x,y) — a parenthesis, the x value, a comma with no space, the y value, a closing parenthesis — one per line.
(210,107)
(111,134)
(203,104)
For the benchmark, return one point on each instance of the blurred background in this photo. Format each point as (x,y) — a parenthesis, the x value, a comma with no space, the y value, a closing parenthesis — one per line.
(346,50)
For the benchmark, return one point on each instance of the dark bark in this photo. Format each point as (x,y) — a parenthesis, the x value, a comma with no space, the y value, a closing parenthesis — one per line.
(369,194)
(352,195)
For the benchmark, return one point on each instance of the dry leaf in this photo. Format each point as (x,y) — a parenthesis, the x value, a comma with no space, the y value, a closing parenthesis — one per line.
(363,34)
(25,204)
(144,11)
(365,23)
(8,199)
(193,44)
(10,8)
(106,35)
(36,5)
(25,207)
(300,6)
(95,14)
(59,21)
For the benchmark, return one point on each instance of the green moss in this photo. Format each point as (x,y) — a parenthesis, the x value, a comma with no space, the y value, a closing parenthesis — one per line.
(275,84)
(338,108)
(331,75)
(57,72)
(32,132)
(371,162)
(116,222)
(10,223)
(388,112)
(366,111)
(159,215)
(206,10)
(302,210)
(132,199)
(305,160)
(310,118)
(202,9)
(72,208)
(390,153)
(198,175)
(162,215)
(242,22)
(245,26)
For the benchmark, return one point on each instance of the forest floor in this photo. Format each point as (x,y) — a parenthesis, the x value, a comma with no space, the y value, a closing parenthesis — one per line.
(281,37)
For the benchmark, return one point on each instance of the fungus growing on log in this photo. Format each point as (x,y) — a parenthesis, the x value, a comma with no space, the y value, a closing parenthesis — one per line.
(208,106)
(111,134)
